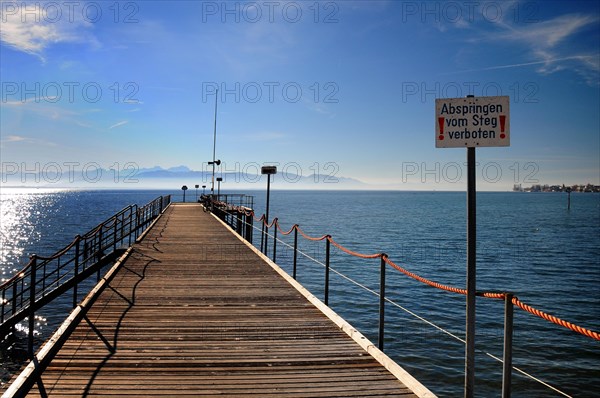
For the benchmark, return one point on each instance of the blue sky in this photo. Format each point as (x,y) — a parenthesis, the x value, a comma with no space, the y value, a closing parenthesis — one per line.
(343,87)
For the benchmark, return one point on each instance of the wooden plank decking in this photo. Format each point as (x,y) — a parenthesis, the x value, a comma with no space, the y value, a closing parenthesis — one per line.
(194,311)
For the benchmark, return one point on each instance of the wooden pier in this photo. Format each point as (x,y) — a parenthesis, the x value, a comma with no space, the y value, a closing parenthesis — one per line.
(193,310)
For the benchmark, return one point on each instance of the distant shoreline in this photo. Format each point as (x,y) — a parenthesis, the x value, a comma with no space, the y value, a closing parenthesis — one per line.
(176,190)
(558,188)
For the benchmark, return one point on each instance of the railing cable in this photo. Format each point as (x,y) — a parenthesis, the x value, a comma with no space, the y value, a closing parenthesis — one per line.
(494,295)
(425,320)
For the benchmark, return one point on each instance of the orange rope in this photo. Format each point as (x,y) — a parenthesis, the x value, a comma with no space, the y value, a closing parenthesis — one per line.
(249,213)
(352,253)
(495,295)
(311,238)
(555,320)
(426,281)
(288,232)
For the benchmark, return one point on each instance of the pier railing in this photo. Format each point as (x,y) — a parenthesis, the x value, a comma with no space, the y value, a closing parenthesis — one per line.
(45,278)
(228,212)
(237,214)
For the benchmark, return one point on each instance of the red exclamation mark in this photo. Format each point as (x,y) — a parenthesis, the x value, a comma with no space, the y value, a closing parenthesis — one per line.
(502,124)
(441,124)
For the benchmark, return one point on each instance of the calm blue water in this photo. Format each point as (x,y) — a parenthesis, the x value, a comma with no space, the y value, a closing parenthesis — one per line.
(528,243)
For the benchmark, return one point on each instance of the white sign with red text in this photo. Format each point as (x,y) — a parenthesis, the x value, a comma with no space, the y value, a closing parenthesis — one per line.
(472,122)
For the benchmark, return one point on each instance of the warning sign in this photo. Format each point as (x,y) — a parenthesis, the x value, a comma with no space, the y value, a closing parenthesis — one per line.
(472,122)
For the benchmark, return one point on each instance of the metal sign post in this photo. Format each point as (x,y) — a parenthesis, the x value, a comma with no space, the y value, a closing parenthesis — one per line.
(471,273)
(470,123)
(267,170)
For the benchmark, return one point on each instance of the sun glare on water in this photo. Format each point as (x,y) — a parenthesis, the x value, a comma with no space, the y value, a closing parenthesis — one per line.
(21,210)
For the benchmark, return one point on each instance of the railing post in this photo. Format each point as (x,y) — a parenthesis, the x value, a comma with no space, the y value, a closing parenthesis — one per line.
(239,222)
(86,253)
(33,266)
(115,234)
(262,235)
(3,303)
(76,272)
(44,277)
(327,249)
(508,336)
(130,225)
(381,301)
(99,253)
(275,242)
(122,232)
(137,223)
(99,248)
(266,237)
(249,227)
(14,297)
(295,250)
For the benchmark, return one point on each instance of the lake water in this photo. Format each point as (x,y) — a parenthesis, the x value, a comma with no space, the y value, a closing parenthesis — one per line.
(528,244)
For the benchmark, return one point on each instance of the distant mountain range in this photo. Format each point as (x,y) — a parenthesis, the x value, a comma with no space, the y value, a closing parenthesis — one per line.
(159,177)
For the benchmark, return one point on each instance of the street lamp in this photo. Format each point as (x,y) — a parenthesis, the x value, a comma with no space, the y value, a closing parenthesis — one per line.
(219,179)
(212,188)
(203,189)
(197,186)
(214,163)
(184,188)
(268,170)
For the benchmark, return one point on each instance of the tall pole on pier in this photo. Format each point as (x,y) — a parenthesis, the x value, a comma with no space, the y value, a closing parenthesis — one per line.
(471,273)
(472,123)
(212,188)
(267,170)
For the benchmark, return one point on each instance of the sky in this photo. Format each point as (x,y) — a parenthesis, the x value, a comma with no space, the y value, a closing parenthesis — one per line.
(339,88)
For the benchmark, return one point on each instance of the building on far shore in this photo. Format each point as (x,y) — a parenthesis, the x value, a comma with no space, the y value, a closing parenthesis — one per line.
(557,188)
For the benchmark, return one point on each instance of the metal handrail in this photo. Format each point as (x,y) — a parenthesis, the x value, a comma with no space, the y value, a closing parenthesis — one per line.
(44,278)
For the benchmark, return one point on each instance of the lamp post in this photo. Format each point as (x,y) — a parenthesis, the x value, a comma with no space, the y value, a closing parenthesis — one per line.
(197,186)
(267,170)
(184,188)
(203,189)
(219,179)
(214,163)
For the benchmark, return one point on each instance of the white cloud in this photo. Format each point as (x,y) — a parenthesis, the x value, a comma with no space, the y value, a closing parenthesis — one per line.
(550,33)
(13,138)
(28,27)
(119,124)
(552,45)
(590,60)
(27,140)
(45,107)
